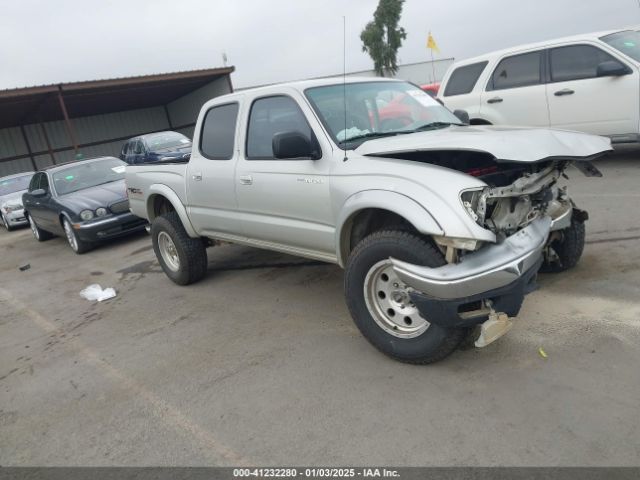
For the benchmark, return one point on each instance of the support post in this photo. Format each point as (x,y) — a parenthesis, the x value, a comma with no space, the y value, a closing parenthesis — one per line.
(46,139)
(67,121)
(26,142)
(166,112)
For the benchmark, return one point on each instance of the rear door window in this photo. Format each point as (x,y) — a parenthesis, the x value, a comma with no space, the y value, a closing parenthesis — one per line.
(217,138)
(463,79)
(517,71)
(577,62)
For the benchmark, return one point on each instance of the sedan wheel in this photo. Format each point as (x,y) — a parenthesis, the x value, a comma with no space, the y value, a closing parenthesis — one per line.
(5,223)
(39,234)
(75,243)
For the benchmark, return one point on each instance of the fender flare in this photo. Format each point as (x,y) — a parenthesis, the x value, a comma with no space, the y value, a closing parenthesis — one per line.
(172,197)
(394,202)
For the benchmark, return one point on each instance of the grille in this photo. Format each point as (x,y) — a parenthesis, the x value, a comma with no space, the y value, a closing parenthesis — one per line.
(120,207)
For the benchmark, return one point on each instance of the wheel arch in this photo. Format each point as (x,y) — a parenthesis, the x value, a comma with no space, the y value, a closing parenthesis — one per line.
(162,199)
(368,211)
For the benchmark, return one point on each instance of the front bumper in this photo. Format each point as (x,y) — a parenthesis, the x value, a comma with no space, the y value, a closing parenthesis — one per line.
(16,218)
(502,273)
(109,227)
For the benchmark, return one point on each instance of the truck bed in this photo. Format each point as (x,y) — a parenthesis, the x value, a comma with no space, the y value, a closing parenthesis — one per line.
(143,180)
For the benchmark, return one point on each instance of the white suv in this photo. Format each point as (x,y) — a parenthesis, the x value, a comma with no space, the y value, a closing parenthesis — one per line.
(589,83)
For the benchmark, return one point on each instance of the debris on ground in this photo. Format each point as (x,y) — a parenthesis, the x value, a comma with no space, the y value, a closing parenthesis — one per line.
(95,292)
(24,267)
(542,353)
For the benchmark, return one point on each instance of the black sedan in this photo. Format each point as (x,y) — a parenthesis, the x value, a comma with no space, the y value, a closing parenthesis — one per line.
(156,147)
(83,201)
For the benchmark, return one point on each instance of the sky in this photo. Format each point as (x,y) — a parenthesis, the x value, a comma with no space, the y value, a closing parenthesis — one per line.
(47,41)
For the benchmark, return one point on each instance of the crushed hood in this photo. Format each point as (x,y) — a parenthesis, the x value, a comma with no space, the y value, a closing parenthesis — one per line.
(507,144)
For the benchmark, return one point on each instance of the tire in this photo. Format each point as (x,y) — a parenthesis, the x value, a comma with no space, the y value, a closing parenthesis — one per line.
(183,259)
(415,341)
(565,251)
(77,245)
(39,234)
(6,223)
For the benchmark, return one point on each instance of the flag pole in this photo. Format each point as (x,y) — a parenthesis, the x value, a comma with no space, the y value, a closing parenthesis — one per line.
(433,66)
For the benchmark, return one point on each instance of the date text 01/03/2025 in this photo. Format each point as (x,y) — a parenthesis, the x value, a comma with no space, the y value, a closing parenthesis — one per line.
(315,472)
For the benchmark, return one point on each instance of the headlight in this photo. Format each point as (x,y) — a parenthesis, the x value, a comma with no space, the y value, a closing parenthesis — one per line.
(474,203)
(101,212)
(86,215)
(11,208)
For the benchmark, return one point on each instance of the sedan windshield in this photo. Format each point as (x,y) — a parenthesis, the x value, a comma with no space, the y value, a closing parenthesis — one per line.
(162,140)
(376,109)
(627,42)
(14,184)
(88,174)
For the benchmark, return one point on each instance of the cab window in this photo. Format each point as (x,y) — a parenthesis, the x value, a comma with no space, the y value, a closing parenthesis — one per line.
(217,138)
(271,115)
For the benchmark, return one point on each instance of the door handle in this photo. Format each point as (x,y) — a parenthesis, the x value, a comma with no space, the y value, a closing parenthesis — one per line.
(566,91)
(197,177)
(246,179)
(494,100)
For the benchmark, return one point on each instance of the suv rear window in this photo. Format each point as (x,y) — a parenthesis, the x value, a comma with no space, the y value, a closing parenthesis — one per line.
(217,137)
(517,71)
(463,79)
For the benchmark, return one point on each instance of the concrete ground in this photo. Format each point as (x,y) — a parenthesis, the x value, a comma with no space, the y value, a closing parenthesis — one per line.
(261,364)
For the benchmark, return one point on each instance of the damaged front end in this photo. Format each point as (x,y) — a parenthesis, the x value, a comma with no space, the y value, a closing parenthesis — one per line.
(485,283)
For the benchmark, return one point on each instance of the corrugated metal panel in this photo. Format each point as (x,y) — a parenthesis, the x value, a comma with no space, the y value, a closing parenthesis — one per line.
(188,131)
(184,110)
(11,143)
(15,166)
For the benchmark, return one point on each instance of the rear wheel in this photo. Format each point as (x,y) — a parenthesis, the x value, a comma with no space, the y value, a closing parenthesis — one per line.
(565,248)
(183,259)
(39,234)
(380,304)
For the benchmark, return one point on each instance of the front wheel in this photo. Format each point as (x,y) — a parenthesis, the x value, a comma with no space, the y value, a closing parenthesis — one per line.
(5,222)
(380,304)
(564,249)
(183,259)
(77,245)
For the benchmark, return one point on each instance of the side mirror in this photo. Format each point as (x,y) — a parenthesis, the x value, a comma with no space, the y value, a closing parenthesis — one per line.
(611,68)
(293,144)
(462,115)
(39,192)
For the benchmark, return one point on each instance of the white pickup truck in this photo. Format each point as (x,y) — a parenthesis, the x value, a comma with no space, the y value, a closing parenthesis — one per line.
(441,226)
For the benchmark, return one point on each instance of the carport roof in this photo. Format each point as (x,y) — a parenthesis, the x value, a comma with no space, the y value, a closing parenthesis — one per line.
(20,106)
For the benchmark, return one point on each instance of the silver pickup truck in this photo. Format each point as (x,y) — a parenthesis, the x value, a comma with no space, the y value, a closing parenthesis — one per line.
(440,226)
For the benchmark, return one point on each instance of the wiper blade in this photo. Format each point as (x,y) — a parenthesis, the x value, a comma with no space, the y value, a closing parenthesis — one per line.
(373,135)
(430,125)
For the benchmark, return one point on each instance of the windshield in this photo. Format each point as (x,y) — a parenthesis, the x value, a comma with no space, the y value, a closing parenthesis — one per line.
(88,174)
(627,42)
(166,140)
(376,109)
(15,184)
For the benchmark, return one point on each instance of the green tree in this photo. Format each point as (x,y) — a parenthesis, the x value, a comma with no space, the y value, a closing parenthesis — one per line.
(382,37)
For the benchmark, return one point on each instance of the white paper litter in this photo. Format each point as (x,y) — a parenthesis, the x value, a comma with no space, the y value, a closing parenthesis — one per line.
(95,292)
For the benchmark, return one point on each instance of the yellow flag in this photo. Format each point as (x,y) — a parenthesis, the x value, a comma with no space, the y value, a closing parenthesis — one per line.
(431,43)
